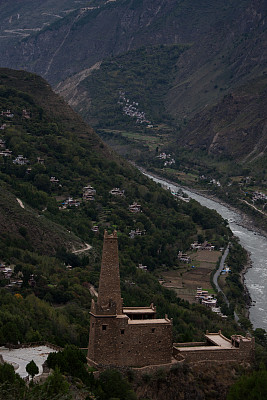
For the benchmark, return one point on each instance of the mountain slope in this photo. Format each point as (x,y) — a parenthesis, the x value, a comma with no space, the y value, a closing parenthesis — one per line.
(235,127)
(225,48)
(37,241)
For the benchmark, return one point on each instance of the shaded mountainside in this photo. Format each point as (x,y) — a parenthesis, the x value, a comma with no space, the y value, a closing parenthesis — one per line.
(236,127)
(224,47)
(28,228)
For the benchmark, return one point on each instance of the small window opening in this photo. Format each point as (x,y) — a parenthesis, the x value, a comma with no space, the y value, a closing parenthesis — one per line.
(153,330)
(104,327)
(122,331)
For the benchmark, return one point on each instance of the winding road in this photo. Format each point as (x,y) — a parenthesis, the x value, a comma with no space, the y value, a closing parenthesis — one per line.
(218,272)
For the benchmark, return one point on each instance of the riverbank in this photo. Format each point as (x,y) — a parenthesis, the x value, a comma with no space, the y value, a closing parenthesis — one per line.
(252,240)
(245,220)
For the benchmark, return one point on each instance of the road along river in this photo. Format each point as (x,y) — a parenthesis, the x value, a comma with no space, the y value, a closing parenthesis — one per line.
(254,243)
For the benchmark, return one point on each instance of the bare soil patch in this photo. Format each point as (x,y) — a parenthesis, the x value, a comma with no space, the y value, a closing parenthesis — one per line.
(188,277)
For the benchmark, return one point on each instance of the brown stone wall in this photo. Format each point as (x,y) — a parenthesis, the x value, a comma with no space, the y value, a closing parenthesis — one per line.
(114,342)
(103,339)
(147,344)
(234,354)
(109,282)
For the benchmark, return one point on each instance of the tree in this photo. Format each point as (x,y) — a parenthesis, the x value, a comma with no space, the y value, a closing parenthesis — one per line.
(32,368)
(114,386)
(251,387)
(55,384)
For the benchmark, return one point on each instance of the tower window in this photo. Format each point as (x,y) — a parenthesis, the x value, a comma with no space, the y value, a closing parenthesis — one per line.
(122,331)
(104,327)
(153,330)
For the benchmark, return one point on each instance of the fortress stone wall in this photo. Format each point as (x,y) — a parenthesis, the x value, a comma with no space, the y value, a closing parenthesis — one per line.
(133,337)
(121,336)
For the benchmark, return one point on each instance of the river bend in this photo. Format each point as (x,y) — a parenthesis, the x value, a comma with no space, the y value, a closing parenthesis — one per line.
(254,243)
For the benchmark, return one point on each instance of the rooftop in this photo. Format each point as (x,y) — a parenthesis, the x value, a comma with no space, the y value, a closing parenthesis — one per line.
(138,310)
(148,321)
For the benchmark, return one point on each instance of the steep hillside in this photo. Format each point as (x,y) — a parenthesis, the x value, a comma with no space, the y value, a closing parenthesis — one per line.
(235,127)
(222,37)
(59,191)
(224,47)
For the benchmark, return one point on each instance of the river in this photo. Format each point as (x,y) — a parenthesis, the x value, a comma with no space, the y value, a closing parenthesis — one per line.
(254,243)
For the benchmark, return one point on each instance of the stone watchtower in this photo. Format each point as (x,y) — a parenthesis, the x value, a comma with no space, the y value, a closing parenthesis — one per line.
(124,336)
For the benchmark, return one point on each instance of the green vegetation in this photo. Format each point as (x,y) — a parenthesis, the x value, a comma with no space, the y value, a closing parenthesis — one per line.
(52,302)
(250,387)
(144,75)
(32,369)
(36,242)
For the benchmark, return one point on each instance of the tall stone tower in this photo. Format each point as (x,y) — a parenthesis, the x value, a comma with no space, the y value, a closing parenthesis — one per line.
(124,336)
(109,291)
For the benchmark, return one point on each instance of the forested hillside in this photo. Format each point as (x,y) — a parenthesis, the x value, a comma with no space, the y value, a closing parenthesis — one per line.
(56,180)
(49,160)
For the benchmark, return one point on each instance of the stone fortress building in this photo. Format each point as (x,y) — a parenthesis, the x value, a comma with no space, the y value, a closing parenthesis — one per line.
(124,336)
(133,336)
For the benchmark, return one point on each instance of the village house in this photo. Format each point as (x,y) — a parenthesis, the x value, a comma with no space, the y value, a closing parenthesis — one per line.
(183,257)
(171,162)
(7,114)
(25,114)
(95,229)
(6,153)
(70,203)
(89,193)
(135,208)
(40,160)
(203,297)
(20,160)
(117,192)
(136,232)
(202,246)
(142,267)
(6,272)
(54,180)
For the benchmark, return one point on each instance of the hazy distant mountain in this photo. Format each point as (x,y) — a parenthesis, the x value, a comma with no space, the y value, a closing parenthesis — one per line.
(226,49)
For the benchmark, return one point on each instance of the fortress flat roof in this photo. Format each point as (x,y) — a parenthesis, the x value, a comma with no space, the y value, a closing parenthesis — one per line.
(139,310)
(208,348)
(148,321)
(219,340)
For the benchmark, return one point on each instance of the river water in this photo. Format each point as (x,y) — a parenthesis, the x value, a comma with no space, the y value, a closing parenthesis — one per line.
(254,243)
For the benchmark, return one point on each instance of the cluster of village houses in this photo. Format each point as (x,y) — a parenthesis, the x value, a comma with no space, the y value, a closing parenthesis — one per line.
(211,181)
(203,297)
(195,246)
(168,160)
(259,196)
(132,111)
(19,159)
(255,195)
(13,283)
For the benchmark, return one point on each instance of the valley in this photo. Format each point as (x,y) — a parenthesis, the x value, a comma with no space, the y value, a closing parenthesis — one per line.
(179,89)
